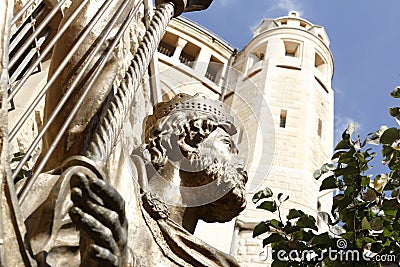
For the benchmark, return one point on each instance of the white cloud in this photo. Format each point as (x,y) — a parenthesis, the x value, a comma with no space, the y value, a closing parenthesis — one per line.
(338,91)
(286,5)
(277,8)
(341,124)
(225,2)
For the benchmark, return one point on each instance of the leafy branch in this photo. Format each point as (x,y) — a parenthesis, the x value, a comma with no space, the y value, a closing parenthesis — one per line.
(365,210)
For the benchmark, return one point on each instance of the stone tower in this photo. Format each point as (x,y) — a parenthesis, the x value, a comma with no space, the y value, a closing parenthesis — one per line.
(287,67)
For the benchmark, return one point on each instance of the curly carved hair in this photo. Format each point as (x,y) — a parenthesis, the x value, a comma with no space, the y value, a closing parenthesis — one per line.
(179,134)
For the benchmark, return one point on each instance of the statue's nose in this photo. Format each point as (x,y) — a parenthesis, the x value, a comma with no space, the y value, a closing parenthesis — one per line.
(234,149)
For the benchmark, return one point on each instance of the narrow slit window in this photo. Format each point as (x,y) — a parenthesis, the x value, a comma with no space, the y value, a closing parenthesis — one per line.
(319,63)
(319,127)
(282,122)
(292,49)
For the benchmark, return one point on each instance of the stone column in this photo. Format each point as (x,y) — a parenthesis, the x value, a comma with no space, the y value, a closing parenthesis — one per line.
(179,47)
(202,62)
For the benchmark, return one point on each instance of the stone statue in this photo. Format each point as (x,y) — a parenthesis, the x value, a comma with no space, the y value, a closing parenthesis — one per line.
(96,205)
(145,215)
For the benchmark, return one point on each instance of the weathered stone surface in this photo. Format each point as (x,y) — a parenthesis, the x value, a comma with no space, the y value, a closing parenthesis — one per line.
(73,141)
(12,228)
(155,199)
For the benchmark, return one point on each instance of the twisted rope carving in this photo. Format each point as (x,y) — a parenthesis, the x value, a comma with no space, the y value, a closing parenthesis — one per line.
(107,133)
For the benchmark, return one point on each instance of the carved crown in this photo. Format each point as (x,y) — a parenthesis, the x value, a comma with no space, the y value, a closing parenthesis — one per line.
(199,104)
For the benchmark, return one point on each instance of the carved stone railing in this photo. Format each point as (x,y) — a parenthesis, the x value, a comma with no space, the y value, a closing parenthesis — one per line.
(166,49)
(210,76)
(186,59)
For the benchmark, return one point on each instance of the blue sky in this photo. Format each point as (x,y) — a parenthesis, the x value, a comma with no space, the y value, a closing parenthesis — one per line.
(365,38)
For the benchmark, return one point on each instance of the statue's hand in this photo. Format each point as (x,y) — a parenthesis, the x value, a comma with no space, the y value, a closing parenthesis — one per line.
(99,213)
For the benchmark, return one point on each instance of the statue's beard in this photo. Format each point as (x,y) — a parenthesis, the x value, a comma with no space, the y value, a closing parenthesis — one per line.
(223,184)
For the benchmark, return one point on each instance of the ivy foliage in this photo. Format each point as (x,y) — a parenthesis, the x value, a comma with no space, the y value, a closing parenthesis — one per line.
(365,213)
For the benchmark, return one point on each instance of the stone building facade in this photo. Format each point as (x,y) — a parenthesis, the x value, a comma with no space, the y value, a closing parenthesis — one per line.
(279,87)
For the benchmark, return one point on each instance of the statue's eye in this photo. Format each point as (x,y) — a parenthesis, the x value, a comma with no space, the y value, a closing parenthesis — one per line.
(227,141)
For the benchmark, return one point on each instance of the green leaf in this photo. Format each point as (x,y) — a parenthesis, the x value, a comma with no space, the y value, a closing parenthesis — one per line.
(349,130)
(394,111)
(324,169)
(293,214)
(327,167)
(390,136)
(260,229)
(349,170)
(365,180)
(328,183)
(396,193)
(374,137)
(387,150)
(388,232)
(376,224)
(317,174)
(268,205)
(337,155)
(275,223)
(306,221)
(273,238)
(396,92)
(266,193)
(390,204)
(290,229)
(363,241)
(347,157)
(344,144)
(390,213)
(369,195)
(337,230)
(342,200)
(321,239)
(365,224)
(325,217)
(279,196)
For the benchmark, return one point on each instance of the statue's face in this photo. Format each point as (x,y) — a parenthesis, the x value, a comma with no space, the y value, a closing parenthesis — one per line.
(223,175)
(220,145)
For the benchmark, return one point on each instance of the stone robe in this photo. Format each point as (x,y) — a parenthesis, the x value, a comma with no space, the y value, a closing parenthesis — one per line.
(153,238)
